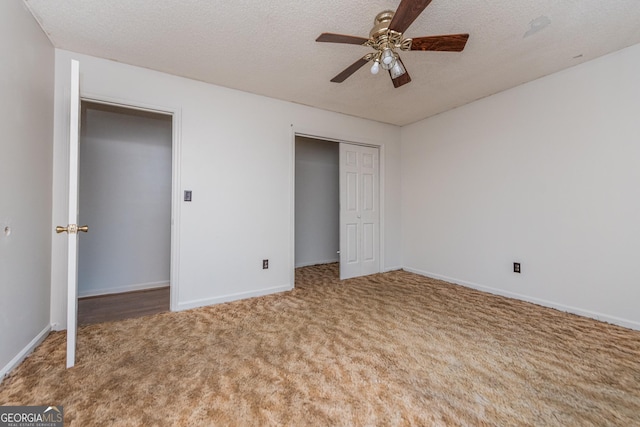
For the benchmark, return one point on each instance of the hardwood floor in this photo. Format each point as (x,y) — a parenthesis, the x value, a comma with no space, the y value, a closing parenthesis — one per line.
(105,308)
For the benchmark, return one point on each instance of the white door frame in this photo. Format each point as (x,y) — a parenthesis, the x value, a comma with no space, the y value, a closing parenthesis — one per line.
(176,200)
(325,136)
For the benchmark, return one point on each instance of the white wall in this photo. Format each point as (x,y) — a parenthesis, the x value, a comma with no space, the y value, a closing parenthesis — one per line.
(546,174)
(125,198)
(236,155)
(317,212)
(26,121)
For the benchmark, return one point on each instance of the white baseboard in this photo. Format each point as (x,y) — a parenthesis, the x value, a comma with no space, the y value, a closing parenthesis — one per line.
(122,289)
(232,297)
(24,352)
(386,269)
(307,264)
(562,307)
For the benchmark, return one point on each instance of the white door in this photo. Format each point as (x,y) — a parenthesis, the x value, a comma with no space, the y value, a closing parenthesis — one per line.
(359,211)
(72,228)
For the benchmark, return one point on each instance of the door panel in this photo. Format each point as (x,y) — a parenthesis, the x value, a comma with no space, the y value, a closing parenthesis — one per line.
(368,188)
(352,243)
(367,161)
(368,240)
(352,192)
(352,158)
(359,216)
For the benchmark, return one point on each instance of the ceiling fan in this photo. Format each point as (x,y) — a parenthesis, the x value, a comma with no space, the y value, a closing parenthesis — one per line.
(386,37)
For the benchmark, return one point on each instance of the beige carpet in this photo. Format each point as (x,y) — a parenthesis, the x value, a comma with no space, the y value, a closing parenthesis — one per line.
(389,349)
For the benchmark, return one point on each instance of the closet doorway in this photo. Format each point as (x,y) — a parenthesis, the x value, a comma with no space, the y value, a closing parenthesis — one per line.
(317,202)
(125,184)
(337,206)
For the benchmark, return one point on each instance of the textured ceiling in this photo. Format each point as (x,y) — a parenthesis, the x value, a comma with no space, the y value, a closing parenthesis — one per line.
(269,48)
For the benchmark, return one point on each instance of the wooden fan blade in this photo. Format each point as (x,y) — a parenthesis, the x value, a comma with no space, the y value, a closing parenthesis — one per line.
(403,79)
(448,43)
(407,12)
(349,70)
(340,38)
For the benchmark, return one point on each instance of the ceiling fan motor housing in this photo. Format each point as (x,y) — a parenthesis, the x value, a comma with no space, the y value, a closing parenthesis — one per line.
(381,24)
(381,37)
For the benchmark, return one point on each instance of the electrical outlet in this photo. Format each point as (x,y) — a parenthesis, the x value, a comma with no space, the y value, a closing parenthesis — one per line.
(265,264)
(516,267)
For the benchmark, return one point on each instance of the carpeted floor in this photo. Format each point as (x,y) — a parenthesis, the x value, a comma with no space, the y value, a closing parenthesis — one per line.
(388,349)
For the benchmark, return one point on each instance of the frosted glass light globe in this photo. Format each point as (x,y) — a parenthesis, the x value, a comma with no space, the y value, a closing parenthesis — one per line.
(387,56)
(397,70)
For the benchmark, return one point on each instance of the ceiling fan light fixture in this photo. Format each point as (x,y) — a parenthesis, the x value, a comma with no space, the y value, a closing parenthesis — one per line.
(397,70)
(389,65)
(387,56)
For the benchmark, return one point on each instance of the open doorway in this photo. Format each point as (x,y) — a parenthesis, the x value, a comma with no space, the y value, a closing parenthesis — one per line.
(317,202)
(337,207)
(125,182)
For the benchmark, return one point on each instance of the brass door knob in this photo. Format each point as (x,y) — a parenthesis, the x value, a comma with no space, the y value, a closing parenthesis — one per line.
(72,229)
